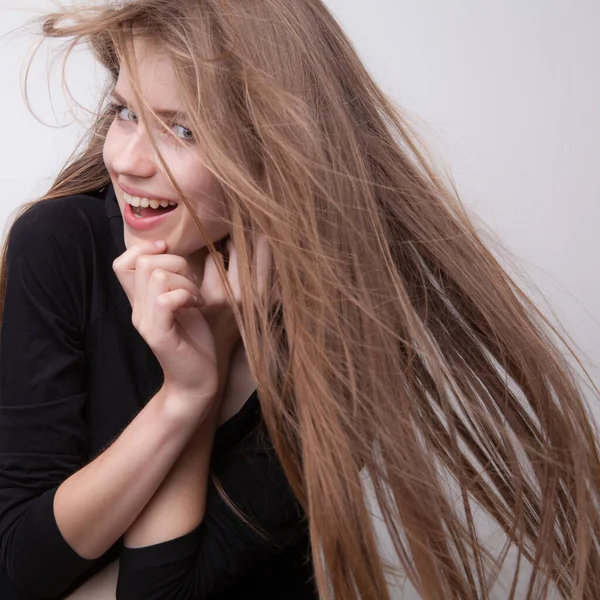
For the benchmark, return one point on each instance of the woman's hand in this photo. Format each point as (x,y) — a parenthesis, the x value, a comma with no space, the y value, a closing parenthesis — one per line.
(191,330)
(216,308)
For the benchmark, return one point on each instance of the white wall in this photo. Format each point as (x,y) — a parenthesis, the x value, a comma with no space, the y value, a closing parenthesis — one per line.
(510,92)
(31,153)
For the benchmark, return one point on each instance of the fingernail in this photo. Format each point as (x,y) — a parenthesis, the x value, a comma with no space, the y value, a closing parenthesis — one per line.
(159,243)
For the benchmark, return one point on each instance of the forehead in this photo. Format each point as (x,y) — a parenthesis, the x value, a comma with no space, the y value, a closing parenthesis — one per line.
(155,76)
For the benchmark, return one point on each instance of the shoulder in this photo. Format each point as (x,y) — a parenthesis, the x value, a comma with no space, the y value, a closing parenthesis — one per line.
(59,256)
(57,242)
(66,222)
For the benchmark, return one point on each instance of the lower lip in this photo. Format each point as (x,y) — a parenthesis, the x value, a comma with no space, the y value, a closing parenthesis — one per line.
(143,223)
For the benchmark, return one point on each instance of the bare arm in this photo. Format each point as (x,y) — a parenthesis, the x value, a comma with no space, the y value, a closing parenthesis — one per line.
(97,504)
(179,504)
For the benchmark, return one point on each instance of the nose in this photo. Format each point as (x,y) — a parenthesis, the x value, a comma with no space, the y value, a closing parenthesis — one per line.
(135,156)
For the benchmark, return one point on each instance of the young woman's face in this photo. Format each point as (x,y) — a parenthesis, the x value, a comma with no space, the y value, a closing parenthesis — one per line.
(138,176)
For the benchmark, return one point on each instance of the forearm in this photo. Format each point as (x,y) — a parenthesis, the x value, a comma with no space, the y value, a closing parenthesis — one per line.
(179,504)
(96,505)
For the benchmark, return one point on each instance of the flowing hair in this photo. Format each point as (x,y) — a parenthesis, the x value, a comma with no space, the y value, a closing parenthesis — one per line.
(401,367)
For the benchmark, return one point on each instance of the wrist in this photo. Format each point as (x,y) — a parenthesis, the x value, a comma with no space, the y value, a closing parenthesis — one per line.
(186,408)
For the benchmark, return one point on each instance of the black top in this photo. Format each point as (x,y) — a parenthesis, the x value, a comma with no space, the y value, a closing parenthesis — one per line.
(73,374)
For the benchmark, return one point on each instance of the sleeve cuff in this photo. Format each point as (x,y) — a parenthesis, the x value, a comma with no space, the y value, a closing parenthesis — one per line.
(164,553)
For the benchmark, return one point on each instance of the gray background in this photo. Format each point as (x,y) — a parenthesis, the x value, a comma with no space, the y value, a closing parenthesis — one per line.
(506,94)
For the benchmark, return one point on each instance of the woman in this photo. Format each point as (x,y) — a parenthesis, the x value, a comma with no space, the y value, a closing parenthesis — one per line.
(386,346)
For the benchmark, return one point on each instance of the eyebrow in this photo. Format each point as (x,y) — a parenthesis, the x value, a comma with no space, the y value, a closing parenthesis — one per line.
(167,115)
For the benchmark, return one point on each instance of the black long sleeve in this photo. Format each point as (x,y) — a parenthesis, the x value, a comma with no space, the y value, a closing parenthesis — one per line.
(74,372)
(43,436)
(265,553)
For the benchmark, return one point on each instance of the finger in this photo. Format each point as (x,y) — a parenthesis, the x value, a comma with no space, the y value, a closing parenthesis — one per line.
(166,262)
(264,264)
(146,264)
(127,260)
(212,289)
(124,265)
(233,272)
(167,306)
(160,283)
(175,300)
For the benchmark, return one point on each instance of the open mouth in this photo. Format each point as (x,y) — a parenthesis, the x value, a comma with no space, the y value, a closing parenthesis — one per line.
(146,207)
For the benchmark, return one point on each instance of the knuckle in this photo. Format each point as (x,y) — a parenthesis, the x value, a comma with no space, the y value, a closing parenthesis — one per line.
(162,301)
(159,276)
(143,331)
(180,263)
(143,263)
(117,264)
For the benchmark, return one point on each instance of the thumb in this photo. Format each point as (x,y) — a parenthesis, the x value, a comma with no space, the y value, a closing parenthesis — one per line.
(124,265)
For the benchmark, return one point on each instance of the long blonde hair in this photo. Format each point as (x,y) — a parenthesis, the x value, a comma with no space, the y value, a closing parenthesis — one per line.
(400,348)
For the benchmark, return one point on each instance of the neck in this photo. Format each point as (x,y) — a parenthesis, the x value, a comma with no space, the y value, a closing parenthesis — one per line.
(240,384)
(197,260)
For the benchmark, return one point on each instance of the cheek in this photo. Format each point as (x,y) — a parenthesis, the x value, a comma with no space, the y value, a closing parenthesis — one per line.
(211,210)
(209,205)
(200,184)
(108,149)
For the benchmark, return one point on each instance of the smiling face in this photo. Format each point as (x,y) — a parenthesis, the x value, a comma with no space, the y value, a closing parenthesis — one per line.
(137,174)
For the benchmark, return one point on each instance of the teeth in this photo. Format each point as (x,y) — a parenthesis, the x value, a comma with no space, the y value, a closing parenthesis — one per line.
(146,202)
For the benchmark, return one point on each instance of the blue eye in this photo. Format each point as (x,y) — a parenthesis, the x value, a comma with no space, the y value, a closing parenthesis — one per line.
(183,132)
(123,113)
(126,114)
